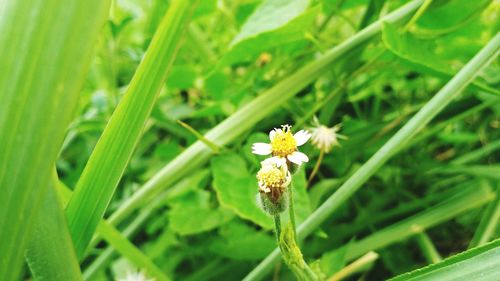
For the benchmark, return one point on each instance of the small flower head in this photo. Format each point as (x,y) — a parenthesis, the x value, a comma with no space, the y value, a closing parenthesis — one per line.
(273,176)
(283,144)
(135,276)
(325,138)
(273,179)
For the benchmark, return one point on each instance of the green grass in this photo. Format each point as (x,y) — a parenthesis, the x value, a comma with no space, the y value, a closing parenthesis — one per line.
(148,110)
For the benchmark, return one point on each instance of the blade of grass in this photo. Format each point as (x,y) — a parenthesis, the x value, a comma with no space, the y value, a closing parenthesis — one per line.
(107,162)
(145,212)
(451,90)
(489,222)
(478,264)
(354,267)
(253,112)
(477,154)
(122,245)
(50,253)
(46,48)
(428,248)
(472,197)
(117,240)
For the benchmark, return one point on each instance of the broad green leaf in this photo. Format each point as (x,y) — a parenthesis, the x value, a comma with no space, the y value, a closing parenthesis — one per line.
(300,197)
(241,242)
(50,253)
(112,153)
(273,23)
(478,264)
(192,214)
(46,49)
(269,16)
(413,49)
(430,55)
(333,261)
(237,189)
(443,16)
(253,112)
(395,144)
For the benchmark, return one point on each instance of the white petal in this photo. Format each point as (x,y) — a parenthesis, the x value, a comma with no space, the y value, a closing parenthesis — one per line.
(261,148)
(272,134)
(278,161)
(302,137)
(298,158)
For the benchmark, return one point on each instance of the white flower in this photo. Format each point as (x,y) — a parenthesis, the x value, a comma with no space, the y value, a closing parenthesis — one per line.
(273,176)
(325,138)
(284,145)
(135,276)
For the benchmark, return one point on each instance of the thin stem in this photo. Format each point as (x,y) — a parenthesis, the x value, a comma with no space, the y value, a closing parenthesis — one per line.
(291,210)
(428,248)
(316,167)
(354,267)
(418,14)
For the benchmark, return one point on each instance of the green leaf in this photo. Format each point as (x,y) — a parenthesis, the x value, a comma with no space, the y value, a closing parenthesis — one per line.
(478,264)
(443,16)
(46,49)
(237,189)
(192,214)
(241,242)
(112,153)
(273,23)
(300,197)
(50,253)
(418,51)
(269,16)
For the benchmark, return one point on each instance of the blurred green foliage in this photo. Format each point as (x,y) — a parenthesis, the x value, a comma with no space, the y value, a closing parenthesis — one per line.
(212,229)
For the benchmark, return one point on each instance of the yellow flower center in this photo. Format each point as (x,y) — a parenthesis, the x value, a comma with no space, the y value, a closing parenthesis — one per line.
(271,176)
(283,143)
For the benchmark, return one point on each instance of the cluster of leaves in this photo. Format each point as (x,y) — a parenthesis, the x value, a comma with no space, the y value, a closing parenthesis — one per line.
(208,224)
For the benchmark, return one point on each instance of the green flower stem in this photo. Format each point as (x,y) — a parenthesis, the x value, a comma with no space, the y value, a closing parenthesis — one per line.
(291,209)
(293,256)
(277,227)
(449,92)
(316,167)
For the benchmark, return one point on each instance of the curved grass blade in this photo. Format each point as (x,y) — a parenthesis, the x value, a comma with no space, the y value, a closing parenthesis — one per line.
(451,90)
(117,240)
(489,222)
(109,159)
(46,48)
(478,264)
(50,253)
(198,153)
